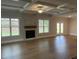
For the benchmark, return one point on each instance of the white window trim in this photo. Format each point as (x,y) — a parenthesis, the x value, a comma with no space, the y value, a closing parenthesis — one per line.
(43,27)
(11,28)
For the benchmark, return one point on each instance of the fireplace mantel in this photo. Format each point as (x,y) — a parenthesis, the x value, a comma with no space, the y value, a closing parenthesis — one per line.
(30,27)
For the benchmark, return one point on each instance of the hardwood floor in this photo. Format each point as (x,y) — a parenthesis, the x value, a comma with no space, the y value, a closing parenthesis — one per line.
(59,47)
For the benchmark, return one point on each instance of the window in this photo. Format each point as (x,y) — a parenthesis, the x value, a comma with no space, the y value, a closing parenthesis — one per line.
(59,28)
(9,27)
(15,27)
(43,26)
(46,25)
(40,26)
(5,27)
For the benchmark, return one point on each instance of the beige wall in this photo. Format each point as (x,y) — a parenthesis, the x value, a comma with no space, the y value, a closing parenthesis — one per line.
(57,19)
(73,26)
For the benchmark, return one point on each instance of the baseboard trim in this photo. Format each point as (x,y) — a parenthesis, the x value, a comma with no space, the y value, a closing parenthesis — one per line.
(73,36)
(11,41)
(39,37)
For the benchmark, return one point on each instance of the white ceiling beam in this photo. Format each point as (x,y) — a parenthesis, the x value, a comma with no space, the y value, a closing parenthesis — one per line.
(11,8)
(27,4)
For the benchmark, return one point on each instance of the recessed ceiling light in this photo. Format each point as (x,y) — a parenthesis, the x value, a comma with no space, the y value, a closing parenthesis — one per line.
(16,0)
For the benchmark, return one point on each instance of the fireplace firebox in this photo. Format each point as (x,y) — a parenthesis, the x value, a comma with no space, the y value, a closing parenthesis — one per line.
(30,33)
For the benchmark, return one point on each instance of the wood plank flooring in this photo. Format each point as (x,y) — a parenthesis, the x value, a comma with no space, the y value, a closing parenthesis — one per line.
(59,47)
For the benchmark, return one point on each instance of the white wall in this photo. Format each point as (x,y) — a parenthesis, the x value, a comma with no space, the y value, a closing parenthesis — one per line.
(13,14)
(25,20)
(32,19)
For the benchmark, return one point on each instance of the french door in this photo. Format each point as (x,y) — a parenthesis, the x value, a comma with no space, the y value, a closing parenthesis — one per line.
(60,28)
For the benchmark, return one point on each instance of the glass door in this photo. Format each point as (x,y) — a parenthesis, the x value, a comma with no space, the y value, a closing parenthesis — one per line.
(60,28)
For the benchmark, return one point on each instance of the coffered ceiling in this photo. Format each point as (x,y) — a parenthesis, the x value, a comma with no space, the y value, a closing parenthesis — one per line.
(53,7)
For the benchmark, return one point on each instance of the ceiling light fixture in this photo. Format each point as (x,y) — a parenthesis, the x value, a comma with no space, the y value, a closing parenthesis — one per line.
(40,11)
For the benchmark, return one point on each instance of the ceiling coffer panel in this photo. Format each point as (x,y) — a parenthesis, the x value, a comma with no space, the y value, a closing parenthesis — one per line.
(26,0)
(47,6)
(16,3)
(36,7)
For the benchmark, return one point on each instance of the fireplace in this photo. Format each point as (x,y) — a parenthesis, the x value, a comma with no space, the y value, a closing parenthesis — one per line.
(30,33)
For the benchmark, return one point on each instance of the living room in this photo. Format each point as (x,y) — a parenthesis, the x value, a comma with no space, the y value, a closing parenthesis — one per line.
(35,26)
